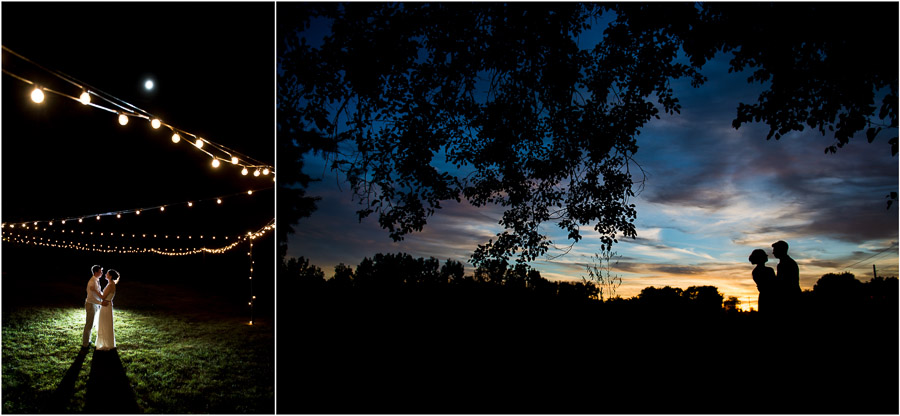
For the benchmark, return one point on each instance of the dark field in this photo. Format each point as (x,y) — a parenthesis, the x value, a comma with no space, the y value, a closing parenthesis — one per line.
(416,351)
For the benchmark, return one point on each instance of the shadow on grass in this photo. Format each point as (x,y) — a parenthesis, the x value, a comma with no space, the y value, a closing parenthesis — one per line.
(108,388)
(59,402)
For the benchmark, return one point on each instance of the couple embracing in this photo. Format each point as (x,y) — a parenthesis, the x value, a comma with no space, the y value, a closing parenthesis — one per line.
(99,302)
(778,293)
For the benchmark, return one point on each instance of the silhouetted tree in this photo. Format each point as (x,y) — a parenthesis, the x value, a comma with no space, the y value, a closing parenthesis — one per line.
(732,304)
(666,297)
(451,271)
(393,271)
(705,298)
(307,276)
(492,271)
(882,290)
(600,271)
(835,290)
(495,102)
(343,277)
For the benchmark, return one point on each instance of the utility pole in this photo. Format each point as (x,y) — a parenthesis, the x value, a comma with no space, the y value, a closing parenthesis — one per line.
(874,274)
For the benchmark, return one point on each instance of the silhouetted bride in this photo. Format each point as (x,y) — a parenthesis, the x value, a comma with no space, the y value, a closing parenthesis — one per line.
(762,275)
(106,336)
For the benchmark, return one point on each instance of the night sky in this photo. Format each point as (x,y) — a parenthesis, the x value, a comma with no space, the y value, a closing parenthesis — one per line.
(712,195)
(212,66)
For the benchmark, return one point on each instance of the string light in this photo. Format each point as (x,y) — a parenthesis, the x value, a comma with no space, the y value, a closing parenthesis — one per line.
(215,163)
(37,95)
(256,173)
(244,172)
(176,138)
(126,110)
(137,211)
(10,236)
(250,254)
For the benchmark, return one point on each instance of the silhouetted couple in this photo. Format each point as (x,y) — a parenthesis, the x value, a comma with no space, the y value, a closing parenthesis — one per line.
(778,293)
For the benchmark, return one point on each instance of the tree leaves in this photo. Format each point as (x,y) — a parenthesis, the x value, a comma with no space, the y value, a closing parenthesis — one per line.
(496,103)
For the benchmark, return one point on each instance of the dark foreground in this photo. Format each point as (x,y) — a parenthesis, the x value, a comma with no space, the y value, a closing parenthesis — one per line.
(428,353)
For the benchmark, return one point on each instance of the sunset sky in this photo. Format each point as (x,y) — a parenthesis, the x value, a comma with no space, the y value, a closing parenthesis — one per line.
(712,195)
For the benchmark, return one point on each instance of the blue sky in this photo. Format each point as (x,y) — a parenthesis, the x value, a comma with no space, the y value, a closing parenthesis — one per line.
(712,195)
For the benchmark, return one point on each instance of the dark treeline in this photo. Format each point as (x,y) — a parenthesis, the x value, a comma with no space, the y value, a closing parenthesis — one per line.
(399,334)
(394,275)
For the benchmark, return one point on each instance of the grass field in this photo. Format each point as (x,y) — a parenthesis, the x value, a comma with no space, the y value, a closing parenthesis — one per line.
(178,351)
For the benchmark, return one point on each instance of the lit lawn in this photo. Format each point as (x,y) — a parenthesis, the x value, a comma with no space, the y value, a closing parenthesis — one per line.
(200,361)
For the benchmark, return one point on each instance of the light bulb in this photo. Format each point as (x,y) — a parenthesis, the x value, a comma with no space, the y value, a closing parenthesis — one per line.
(256,172)
(138,212)
(63,221)
(37,95)
(80,220)
(249,192)
(162,208)
(215,163)
(176,138)
(85,98)
(234,160)
(123,119)
(118,215)
(190,204)
(199,143)
(244,172)
(98,218)
(218,200)
(266,171)
(155,123)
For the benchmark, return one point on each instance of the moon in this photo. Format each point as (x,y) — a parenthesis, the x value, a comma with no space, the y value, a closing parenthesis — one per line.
(148,85)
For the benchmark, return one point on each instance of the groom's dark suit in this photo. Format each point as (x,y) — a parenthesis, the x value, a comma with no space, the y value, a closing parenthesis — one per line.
(789,276)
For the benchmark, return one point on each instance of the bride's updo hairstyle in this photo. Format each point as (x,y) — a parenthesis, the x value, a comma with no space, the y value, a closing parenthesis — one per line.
(114,274)
(758,256)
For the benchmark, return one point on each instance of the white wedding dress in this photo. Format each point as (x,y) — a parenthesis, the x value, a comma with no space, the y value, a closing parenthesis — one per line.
(106,336)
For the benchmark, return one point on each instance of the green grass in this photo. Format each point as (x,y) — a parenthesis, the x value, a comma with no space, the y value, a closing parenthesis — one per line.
(177,361)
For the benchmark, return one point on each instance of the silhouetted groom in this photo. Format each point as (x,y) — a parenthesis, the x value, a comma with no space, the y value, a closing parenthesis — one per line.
(91,304)
(787,276)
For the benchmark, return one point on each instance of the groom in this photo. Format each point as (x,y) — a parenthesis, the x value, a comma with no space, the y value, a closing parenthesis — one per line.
(788,277)
(91,304)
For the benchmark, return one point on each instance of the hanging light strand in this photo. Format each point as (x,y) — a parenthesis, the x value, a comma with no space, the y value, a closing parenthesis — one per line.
(130,110)
(14,237)
(191,203)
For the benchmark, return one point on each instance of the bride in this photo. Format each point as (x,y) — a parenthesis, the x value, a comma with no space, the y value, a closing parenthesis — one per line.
(106,337)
